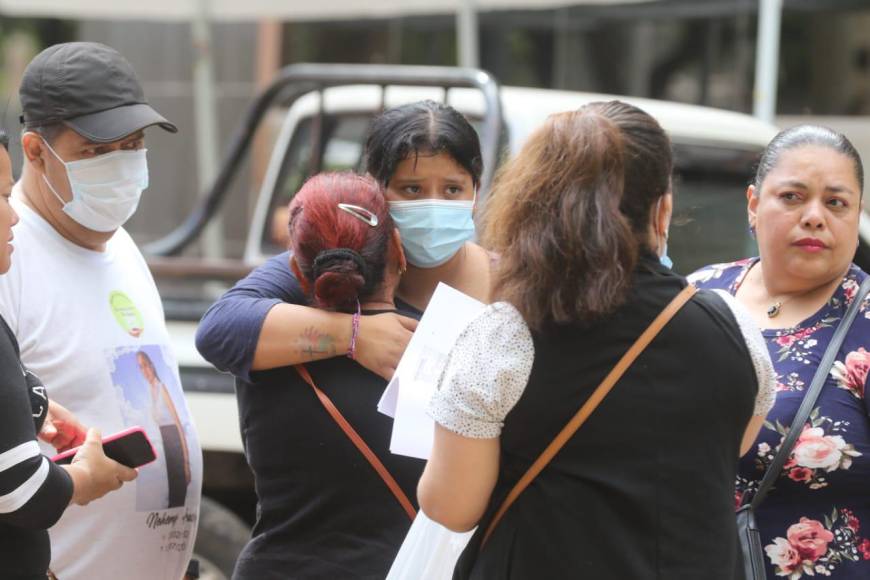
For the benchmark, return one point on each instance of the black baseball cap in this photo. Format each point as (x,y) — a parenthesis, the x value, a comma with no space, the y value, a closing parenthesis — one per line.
(90,88)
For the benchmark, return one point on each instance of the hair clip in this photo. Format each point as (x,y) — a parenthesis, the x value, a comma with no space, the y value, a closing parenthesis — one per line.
(360,213)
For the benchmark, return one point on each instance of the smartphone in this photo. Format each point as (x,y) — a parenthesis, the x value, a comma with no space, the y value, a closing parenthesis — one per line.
(130,447)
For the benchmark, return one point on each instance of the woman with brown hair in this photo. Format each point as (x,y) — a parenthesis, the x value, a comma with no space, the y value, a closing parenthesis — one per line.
(644,489)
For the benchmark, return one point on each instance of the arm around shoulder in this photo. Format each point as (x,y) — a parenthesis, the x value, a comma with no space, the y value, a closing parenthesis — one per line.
(264,322)
(229,331)
(293,334)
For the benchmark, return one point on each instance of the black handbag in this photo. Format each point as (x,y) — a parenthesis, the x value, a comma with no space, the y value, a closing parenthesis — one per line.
(747,530)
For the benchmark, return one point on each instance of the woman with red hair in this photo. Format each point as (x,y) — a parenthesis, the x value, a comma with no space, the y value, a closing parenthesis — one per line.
(325,510)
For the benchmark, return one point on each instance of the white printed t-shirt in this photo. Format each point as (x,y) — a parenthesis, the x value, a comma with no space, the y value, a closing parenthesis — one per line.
(89,325)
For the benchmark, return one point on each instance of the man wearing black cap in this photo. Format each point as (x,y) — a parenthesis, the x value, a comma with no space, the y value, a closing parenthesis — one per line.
(86,312)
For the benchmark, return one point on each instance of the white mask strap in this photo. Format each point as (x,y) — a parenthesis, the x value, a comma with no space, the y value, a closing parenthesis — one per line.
(53,190)
(44,177)
(50,148)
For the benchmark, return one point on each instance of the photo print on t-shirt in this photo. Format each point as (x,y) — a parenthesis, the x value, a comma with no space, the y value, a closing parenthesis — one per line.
(149,395)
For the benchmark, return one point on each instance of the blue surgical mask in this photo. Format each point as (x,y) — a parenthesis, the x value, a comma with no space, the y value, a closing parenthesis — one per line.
(432,230)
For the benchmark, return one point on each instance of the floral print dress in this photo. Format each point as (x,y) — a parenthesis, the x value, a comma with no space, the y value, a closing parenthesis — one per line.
(816,520)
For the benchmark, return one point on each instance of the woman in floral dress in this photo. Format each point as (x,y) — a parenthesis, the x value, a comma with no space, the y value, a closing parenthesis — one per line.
(804,207)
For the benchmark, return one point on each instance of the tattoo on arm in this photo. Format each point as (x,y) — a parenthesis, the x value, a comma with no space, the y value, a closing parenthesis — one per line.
(314,343)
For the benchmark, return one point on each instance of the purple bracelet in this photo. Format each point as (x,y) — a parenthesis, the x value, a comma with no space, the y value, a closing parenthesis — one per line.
(351,351)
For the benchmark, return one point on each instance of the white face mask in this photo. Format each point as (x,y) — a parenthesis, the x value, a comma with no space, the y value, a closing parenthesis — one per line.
(106,189)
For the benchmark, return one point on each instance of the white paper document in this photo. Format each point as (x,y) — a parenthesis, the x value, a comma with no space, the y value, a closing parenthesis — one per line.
(407,395)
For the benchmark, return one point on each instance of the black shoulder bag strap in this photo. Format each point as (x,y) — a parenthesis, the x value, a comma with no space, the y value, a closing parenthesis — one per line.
(811,397)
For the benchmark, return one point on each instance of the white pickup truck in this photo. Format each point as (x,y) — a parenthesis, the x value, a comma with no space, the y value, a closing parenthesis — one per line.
(324,112)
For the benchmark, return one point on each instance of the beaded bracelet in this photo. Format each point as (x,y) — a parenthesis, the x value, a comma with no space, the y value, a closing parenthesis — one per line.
(351,351)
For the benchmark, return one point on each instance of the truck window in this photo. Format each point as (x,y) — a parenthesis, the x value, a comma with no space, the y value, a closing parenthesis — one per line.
(340,149)
(709,224)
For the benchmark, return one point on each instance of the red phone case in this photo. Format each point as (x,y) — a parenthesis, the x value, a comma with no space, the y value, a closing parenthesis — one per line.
(133,435)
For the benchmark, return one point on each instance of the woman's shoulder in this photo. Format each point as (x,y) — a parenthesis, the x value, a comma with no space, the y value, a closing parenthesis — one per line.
(498,330)
(848,290)
(719,307)
(475,276)
(274,278)
(499,321)
(480,256)
(855,274)
(722,276)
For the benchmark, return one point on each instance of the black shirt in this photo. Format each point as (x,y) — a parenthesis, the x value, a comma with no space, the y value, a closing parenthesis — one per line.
(33,491)
(323,511)
(645,489)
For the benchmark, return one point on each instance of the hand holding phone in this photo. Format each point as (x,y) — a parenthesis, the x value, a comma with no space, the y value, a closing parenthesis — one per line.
(93,474)
(130,447)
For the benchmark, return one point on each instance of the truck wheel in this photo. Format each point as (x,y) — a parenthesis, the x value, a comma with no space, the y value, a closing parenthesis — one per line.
(219,540)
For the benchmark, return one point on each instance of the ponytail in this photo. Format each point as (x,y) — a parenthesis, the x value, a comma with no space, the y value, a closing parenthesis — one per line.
(556,216)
